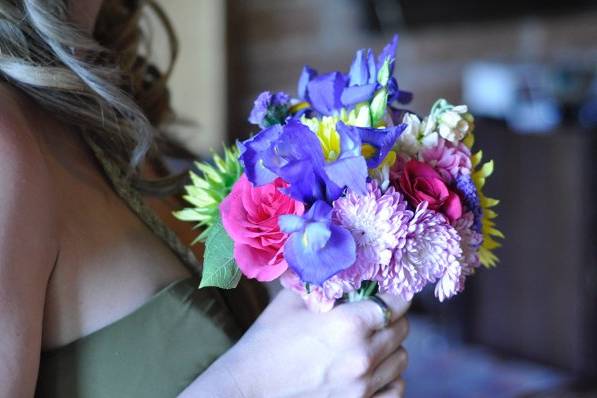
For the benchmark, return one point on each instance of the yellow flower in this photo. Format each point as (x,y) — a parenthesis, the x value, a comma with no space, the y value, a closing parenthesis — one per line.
(488,227)
(325,129)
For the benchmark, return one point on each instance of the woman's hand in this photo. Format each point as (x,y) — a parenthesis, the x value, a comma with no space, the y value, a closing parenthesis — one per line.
(293,352)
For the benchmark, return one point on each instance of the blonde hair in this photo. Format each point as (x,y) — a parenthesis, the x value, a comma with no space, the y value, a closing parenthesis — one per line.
(101,83)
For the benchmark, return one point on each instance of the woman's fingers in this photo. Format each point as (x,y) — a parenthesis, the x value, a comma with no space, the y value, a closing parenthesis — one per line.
(386,341)
(389,370)
(397,306)
(393,390)
(369,316)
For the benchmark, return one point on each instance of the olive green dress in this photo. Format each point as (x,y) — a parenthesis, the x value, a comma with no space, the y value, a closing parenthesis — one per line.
(160,348)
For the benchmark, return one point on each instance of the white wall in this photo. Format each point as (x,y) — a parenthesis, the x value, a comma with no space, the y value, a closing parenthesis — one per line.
(198,85)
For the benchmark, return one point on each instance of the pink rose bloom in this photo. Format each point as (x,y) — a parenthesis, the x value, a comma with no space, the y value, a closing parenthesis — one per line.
(421,183)
(450,160)
(250,216)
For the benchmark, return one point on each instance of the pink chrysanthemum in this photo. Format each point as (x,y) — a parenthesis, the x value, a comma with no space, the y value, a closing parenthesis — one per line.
(430,252)
(449,159)
(314,298)
(378,223)
(470,241)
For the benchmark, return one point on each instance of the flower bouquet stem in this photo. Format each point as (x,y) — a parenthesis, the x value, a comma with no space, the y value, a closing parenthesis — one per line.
(367,289)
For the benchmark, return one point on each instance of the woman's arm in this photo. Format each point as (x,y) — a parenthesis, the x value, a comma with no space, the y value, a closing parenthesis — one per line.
(27,251)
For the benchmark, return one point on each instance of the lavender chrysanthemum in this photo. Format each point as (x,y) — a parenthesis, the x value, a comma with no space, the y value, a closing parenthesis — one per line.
(378,223)
(430,252)
(470,241)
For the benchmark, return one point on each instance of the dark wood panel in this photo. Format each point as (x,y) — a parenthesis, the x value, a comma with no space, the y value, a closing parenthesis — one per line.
(540,301)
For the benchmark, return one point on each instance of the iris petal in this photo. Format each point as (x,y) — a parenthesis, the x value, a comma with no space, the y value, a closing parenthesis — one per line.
(324,92)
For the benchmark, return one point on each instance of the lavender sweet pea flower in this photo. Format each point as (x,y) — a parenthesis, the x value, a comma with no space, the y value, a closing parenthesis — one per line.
(269,109)
(317,249)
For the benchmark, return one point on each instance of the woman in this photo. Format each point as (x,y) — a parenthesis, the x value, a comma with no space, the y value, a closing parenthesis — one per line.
(97,295)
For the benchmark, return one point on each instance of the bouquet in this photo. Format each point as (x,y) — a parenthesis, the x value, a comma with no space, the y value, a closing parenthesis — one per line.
(343,193)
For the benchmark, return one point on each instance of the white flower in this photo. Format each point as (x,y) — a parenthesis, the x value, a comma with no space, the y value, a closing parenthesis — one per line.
(452,125)
(417,135)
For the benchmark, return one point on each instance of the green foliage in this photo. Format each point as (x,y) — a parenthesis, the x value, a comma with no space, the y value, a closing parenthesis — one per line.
(219,268)
(210,184)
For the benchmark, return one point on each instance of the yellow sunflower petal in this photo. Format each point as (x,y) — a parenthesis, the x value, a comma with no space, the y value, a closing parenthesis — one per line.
(469,140)
(476,159)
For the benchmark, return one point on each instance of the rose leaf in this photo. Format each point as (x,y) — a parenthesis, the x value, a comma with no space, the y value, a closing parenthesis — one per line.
(219,267)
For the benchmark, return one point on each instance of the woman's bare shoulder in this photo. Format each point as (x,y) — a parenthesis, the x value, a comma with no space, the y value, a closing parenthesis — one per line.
(26,194)
(28,245)
(17,141)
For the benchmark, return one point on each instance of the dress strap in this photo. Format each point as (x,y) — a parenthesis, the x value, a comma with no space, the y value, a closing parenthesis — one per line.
(133,199)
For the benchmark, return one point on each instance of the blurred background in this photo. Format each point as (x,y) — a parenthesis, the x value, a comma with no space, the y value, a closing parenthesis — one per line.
(528,71)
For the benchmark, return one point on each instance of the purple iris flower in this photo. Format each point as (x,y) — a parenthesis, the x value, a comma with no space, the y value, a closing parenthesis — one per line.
(297,157)
(294,153)
(364,76)
(317,249)
(252,152)
(307,74)
(362,79)
(325,91)
(397,95)
(270,109)
(329,92)
(382,140)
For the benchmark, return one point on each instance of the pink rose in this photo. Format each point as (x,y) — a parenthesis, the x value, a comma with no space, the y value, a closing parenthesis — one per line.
(250,216)
(421,183)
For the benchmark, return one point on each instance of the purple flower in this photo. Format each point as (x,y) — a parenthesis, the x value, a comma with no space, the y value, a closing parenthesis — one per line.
(378,223)
(253,151)
(269,109)
(430,251)
(294,153)
(330,92)
(365,73)
(362,77)
(317,248)
(307,74)
(470,241)
(380,140)
(468,191)
(325,91)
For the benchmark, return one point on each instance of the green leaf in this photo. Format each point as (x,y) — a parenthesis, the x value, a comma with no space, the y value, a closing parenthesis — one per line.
(219,268)
(188,215)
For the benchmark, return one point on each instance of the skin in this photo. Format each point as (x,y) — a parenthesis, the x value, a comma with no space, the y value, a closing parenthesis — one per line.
(74,259)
